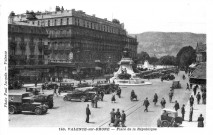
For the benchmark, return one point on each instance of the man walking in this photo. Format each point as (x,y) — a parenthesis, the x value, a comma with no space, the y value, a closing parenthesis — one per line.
(55,92)
(200,121)
(198,97)
(190,113)
(155,100)
(123,118)
(119,92)
(183,111)
(204,97)
(195,89)
(102,95)
(176,106)
(87,113)
(170,96)
(146,104)
(112,115)
(191,100)
(187,88)
(118,114)
(163,103)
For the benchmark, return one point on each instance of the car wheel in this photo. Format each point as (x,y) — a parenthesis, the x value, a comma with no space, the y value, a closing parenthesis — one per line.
(165,124)
(65,99)
(11,110)
(38,111)
(50,106)
(83,99)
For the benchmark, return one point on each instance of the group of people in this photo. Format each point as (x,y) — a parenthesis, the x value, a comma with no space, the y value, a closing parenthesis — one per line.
(117,118)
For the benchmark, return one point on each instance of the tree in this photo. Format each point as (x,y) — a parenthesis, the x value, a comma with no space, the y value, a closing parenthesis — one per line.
(185,57)
(167,60)
(142,56)
(153,60)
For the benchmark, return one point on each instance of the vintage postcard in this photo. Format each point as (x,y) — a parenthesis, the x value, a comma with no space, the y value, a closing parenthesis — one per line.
(104,66)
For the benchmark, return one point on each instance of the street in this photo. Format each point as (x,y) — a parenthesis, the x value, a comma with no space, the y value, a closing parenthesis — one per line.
(73,114)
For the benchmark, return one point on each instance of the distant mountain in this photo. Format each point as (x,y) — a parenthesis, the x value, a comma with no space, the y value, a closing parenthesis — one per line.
(167,43)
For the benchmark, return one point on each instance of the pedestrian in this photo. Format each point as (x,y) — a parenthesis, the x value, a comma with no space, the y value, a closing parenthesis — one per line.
(102,95)
(176,106)
(200,121)
(36,81)
(204,97)
(92,102)
(163,103)
(55,92)
(146,104)
(118,114)
(195,90)
(113,98)
(123,118)
(190,113)
(119,92)
(198,97)
(191,100)
(187,87)
(170,96)
(112,115)
(96,101)
(155,100)
(184,77)
(183,111)
(87,113)
(161,79)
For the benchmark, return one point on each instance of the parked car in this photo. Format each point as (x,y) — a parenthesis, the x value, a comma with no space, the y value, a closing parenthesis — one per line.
(107,87)
(176,85)
(66,87)
(46,99)
(49,86)
(168,77)
(169,118)
(80,95)
(19,102)
(83,84)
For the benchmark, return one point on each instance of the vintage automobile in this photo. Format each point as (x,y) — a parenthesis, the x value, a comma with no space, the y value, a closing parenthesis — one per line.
(83,84)
(19,102)
(176,85)
(66,87)
(40,97)
(107,87)
(82,95)
(169,118)
(49,86)
(168,77)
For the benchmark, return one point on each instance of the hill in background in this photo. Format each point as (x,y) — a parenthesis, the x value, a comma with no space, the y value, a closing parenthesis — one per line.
(167,43)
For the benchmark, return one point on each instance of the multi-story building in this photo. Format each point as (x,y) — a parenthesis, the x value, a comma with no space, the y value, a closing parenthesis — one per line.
(80,41)
(26,51)
(201,52)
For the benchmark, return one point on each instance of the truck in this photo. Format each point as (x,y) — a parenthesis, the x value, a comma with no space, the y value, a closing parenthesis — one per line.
(46,99)
(19,102)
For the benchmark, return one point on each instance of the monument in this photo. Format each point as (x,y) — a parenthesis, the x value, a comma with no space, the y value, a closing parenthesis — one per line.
(125,75)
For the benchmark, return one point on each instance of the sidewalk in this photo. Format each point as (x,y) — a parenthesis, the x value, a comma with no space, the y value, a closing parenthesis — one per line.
(198,109)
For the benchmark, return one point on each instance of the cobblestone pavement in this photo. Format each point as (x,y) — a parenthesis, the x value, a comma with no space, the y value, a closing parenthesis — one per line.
(72,114)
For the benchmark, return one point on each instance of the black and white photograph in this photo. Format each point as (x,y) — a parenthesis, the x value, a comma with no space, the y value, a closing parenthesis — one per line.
(111,66)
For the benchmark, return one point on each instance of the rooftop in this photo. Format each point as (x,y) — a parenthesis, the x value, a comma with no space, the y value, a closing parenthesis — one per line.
(201,47)
(200,71)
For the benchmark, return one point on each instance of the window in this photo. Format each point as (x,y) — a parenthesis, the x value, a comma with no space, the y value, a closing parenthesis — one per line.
(61,22)
(67,21)
(48,23)
(38,23)
(55,22)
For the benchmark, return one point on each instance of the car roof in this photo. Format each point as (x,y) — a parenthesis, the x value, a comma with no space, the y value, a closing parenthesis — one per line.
(84,88)
(169,110)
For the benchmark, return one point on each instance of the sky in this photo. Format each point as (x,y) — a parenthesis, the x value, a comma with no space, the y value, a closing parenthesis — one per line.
(137,15)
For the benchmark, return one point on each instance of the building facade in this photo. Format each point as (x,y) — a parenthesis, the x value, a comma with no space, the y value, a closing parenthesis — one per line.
(201,52)
(26,45)
(80,41)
